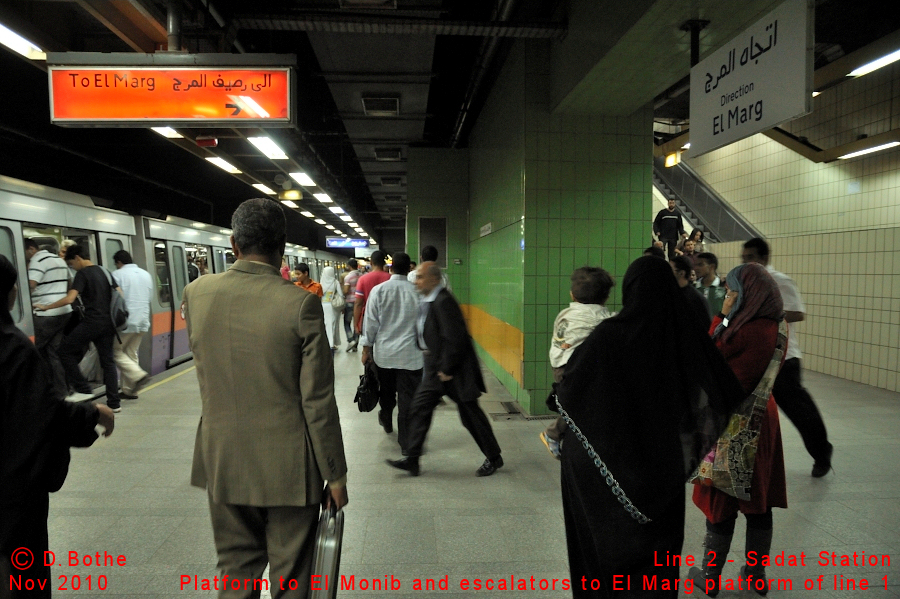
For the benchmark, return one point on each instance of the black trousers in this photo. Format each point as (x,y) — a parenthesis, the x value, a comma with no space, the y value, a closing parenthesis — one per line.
(669,247)
(798,405)
(48,334)
(352,335)
(72,350)
(27,524)
(426,399)
(397,389)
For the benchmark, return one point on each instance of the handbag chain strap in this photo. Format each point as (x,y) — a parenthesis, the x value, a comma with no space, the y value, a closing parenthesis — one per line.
(604,471)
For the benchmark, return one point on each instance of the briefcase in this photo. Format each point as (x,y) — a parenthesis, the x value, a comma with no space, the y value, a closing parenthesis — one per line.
(367,393)
(327,559)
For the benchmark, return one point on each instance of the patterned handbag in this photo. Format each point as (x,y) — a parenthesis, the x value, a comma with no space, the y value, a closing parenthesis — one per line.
(729,465)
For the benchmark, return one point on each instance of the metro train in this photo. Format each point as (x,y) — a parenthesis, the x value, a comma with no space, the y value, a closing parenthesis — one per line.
(174,251)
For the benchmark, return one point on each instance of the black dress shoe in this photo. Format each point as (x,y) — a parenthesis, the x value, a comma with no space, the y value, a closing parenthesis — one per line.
(385,422)
(127,396)
(411,465)
(490,466)
(823,467)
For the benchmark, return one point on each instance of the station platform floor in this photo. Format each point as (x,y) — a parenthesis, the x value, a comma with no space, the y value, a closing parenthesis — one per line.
(130,495)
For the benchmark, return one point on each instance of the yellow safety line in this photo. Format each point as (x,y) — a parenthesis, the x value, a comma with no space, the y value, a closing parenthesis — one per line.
(174,376)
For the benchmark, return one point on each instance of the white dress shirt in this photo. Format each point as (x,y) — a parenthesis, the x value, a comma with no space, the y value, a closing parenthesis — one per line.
(389,326)
(790,295)
(137,288)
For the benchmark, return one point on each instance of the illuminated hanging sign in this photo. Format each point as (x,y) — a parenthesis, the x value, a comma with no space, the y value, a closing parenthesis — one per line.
(145,95)
(345,242)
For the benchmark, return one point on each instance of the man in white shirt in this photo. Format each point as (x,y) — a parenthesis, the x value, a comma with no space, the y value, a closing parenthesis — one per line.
(389,337)
(789,393)
(48,279)
(137,287)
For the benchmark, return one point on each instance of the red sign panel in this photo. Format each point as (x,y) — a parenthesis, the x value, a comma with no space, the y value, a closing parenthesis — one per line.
(187,96)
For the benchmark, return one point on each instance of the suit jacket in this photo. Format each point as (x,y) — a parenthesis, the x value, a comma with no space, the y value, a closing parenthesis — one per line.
(269,432)
(450,348)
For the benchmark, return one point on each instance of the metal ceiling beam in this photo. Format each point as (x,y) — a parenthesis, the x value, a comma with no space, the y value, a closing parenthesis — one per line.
(400,26)
(131,24)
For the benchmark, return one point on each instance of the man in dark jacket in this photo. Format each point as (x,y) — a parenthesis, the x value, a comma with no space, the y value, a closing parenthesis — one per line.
(37,427)
(451,368)
(668,226)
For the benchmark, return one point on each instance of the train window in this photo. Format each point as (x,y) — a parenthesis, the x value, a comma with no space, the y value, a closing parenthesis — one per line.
(8,249)
(163,283)
(109,249)
(178,258)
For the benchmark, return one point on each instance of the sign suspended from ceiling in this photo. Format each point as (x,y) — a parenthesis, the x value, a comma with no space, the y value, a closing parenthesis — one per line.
(760,79)
(181,90)
(346,242)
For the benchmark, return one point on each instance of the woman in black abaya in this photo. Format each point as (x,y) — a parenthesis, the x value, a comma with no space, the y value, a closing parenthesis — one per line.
(651,394)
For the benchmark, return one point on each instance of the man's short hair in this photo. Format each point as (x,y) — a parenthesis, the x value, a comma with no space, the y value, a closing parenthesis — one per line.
(302,267)
(31,244)
(655,251)
(401,264)
(122,256)
(258,226)
(591,285)
(429,253)
(682,264)
(377,258)
(709,258)
(352,263)
(758,244)
(76,250)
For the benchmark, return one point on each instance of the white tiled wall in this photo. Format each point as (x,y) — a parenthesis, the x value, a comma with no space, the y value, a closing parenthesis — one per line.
(834,228)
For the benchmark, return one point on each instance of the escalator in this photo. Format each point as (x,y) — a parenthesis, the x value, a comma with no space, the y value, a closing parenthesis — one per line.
(700,204)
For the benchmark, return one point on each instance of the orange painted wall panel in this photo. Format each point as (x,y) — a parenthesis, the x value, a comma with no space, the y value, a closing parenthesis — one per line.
(504,342)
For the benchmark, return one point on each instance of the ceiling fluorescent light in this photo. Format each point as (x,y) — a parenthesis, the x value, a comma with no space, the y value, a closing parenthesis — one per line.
(223,165)
(168,132)
(346,218)
(814,94)
(265,189)
(329,227)
(323,197)
(19,44)
(336,209)
(290,203)
(353,224)
(372,241)
(225,231)
(875,65)
(198,225)
(307,214)
(303,179)
(268,147)
(870,150)
(320,221)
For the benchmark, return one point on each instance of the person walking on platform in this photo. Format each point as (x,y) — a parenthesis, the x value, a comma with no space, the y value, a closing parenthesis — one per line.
(304,281)
(137,287)
(750,334)
(364,286)
(93,285)
(389,338)
(48,279)
(646,432)
(37,427)
(269,435)
(331,288)
(667,227)
(451,368)
(790,395)
(349,287)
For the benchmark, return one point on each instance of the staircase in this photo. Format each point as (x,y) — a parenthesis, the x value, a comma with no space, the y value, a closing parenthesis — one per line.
(699,204)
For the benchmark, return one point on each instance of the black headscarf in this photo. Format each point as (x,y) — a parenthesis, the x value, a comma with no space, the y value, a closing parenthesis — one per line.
(649,389)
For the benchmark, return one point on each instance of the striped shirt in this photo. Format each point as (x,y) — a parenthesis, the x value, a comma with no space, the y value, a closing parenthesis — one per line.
(51,274)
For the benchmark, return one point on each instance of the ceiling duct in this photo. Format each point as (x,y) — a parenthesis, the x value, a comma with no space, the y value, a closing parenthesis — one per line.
(393,198)
(391,181)
(388,154)
(373,106)
(400,26)
(370,4)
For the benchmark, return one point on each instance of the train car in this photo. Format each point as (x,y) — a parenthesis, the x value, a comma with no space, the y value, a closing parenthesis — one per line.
(174,251)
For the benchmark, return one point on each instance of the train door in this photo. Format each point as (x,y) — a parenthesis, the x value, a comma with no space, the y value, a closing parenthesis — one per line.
(179,349)
(11,246)
(218,260)
(111,243)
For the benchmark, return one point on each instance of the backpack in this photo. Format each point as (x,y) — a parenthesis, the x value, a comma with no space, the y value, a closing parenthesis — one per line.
(118,311)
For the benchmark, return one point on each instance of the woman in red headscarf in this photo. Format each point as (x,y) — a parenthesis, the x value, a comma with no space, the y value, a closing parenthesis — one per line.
(746,332)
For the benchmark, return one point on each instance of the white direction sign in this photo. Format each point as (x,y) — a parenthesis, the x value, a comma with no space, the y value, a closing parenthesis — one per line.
(760,79)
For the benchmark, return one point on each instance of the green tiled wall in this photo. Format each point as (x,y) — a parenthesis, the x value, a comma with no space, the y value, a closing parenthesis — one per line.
(571,190)
(438,185)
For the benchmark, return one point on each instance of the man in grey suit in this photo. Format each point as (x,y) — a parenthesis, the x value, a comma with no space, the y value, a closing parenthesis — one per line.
(269,436)
(451,368)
